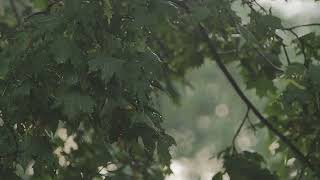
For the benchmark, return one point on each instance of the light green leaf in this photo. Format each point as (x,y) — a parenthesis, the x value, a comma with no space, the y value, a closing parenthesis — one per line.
(294,83)
(108,10)
(40,4)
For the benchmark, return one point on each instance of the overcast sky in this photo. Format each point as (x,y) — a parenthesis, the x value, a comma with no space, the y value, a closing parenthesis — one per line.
(302,9)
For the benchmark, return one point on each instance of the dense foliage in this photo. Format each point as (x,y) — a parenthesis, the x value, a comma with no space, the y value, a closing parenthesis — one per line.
(78,81)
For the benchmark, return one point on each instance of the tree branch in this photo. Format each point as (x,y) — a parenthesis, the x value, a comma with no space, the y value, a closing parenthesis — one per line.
(263,120)
(299,26)
(259,5)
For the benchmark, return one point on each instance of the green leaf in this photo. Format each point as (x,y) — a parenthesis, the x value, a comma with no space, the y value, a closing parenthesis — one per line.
(295,71)
(74,104)
(73,7)
(165,142)
(165,8)
(270,21)
(247,166)
(4,67)
(35,146)
(200,13)
(65,50)
(296,84)
(262,86)
(294,94)
(45,24)
(10,175)
(40,4)
(151,63)
(107,65)
(218,176)
(314,74)
(23,90)
(248,36)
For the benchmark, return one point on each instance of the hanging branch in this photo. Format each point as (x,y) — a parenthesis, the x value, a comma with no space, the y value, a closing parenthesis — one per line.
(262,119)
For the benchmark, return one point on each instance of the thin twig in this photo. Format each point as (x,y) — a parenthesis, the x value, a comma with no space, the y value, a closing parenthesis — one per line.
(254,129)
(286,53)
(239,129)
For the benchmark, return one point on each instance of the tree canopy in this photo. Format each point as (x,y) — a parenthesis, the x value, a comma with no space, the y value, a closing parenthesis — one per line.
(79,81)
